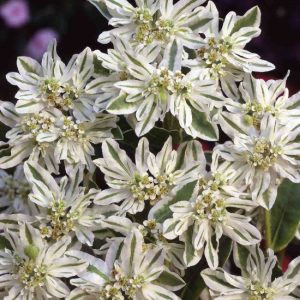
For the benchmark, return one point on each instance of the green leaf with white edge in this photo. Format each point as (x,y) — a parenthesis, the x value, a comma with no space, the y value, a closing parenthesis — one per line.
(117,133)
(101,6)
(240,255)
(251,18)
(120,106)
(190,256)
(173,55)
(285,215)
(98,68)
(4,243)
(205,130)
(163,211)
(93,269)
(225,246)
(170,280)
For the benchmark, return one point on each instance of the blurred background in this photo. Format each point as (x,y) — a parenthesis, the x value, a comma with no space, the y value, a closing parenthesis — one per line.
(27,26)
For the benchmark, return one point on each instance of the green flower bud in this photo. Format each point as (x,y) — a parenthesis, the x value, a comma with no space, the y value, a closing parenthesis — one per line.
(31,251)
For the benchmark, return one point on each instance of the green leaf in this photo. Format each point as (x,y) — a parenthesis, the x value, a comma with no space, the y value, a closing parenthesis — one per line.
(202,126)
(101,6)
(98,68)
(4,243)
(241,255)
(170,279)
(164,212)
(119,105)
(251,18)
(285,215)
(194,288)
(225,246)
(117,133)
(173,56)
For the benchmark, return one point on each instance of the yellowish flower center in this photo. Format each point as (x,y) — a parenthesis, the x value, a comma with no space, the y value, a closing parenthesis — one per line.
(37,123)
(145,187)
(61,221)
(259,292)
(213,56)
(73,131)
(30,275)
(264,154)
(210,204)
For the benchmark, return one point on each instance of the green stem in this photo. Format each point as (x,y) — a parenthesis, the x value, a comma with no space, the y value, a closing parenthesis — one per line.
(268,231)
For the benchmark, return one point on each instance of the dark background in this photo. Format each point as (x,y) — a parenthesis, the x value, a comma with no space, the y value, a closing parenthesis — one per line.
(78,25)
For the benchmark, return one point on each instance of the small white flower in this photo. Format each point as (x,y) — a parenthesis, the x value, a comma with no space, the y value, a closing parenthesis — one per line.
(53,84)
(33,268)
(258,98)
(129,271)
(262,159)
(201,221)
(64,209)
(256,281)
(49,137)
(150,179)
(27,136)
(223,57)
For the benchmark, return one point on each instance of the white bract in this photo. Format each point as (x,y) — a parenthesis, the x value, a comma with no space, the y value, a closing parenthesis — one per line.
(256,282)
(150,179)
(33,269)
(49,136)
(262,159)
(54,84)
(256,99)
(201,220)
(64,208)
(133,273)
(222,56)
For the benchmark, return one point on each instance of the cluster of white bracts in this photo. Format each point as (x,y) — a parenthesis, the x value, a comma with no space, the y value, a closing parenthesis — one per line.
(161,212)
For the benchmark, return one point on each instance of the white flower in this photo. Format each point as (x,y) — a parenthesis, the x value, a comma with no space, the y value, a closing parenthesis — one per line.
(157,22)
(223,56)
(148,93)
(53,84)
(153,238)
(64,209)
(117,69)
(256,281)
(49,136)
(261,159)
(26,138)
(258,98)
(96,282)
(153,91)
(193,99)
(202,220)
(151,178)
(129,272)
(75,145)
(14,191)
(127,18)
(32,269)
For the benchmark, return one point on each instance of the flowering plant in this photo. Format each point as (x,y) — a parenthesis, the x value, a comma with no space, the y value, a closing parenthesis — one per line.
(108,191)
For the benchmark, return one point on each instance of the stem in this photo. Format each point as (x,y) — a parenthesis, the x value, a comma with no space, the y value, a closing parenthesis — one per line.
(268,232)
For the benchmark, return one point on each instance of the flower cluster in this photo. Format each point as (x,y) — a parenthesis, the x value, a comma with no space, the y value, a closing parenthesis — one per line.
(113,196)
